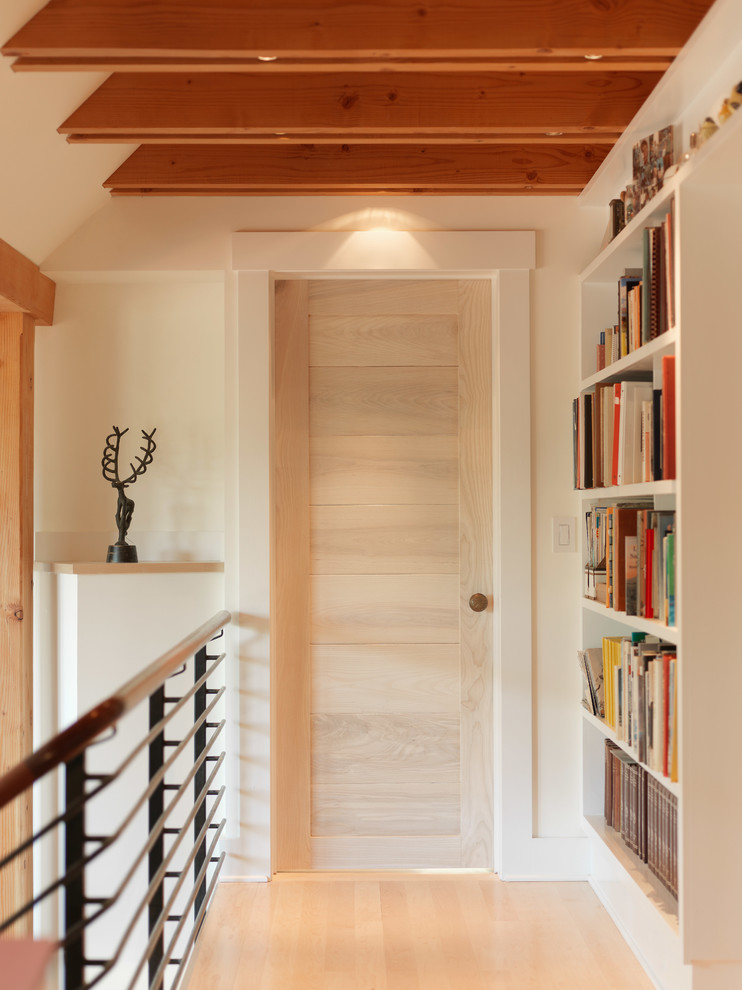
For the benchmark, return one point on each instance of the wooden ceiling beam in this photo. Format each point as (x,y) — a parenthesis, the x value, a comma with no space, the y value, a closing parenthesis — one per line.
(338,28)
(599,136)
(408,107)
(541,63)
(23,288)
(563,190)
(361,169)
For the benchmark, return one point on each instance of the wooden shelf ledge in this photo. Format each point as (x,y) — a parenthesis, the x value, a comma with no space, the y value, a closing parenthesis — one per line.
(143,567)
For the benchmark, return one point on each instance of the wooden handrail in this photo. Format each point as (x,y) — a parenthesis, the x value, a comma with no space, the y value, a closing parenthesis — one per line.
(72,740)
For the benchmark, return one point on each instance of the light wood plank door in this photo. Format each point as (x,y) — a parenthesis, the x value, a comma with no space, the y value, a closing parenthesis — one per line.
(381,513)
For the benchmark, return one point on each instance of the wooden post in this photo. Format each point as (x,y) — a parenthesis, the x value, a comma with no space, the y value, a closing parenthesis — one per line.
(26,298)
(16,579)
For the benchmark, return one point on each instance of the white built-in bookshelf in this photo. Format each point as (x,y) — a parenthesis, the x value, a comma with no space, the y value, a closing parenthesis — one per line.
(694,941)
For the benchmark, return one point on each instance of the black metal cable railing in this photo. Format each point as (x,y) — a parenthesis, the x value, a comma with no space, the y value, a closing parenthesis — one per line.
(148,830)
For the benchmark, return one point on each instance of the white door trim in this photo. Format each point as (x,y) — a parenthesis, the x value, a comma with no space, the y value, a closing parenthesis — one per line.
(507,258)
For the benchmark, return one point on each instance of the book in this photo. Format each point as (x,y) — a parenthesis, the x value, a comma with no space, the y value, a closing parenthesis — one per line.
(630,574)
(587,695)
(673,740)
(635,316)
(662,524)
(608,788)
(616,431)
(575,443)
(624,524)
(607,421)
(587,441)
(594,665)
(617,217)
(656,451)
(598,481)
(648,572)
(625,283)
(629,452)
(655,282)
(646,283)
(670,579)
(668,229)
(646,440)
(668,416)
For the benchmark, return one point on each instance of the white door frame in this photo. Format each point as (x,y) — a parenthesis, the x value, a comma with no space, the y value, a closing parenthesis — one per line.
(506,257)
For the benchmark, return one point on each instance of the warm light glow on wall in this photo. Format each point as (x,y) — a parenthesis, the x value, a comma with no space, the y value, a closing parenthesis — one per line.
(377,218)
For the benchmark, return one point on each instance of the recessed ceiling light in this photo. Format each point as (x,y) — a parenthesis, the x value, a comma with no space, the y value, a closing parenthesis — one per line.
(269,58)
(553,133)
(593,58)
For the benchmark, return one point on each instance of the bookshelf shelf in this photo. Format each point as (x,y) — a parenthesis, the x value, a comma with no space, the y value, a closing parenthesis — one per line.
(622,251)
(637,872)
(598,723)
(650,626)
(617,492)
(641,361)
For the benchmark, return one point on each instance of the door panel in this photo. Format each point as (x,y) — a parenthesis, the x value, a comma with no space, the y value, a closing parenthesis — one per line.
(383,297)
(386,678)
(385,608)
(384,470)
(384,539)
(383,402)
(408,808)
(383,341)
(374,748)
(389,413)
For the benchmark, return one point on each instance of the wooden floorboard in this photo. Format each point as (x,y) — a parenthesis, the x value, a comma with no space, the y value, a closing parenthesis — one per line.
(397,931)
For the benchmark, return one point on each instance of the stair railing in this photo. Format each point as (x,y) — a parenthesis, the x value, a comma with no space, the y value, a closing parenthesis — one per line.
(127,863)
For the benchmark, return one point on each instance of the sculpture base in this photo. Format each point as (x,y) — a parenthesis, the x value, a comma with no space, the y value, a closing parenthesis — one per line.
(122,553)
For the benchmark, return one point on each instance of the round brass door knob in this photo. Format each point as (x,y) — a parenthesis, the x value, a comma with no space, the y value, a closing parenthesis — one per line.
(478,603)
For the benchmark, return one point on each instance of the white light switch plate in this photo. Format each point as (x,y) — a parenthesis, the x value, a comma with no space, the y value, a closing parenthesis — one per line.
(563,534)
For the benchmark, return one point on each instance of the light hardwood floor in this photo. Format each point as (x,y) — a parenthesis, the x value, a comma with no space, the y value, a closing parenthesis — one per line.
(411,932)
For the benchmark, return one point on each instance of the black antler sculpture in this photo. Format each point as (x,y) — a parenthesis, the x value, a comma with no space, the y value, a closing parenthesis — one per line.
(122,552)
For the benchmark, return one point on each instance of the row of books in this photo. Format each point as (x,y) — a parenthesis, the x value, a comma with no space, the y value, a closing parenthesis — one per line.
(646,298)
(631,684)
(631,560)
(624,432)
(644,813)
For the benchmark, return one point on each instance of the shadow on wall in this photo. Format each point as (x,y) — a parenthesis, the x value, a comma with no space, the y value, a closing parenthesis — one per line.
(249,853)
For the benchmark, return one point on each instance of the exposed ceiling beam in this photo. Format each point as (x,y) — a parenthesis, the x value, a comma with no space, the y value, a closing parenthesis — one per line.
(369,106)
(357,137)
(541,63)
(23,288)
(356,169)
(285,97)
(341,29)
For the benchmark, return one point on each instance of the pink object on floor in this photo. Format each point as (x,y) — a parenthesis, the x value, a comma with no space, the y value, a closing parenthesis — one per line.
(23,963)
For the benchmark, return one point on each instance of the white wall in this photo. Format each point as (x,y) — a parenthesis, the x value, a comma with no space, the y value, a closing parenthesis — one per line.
(194,235)
(140,354)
